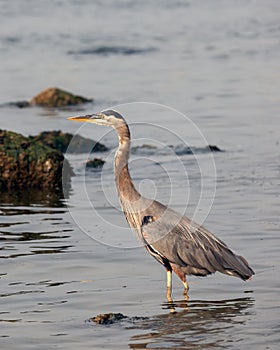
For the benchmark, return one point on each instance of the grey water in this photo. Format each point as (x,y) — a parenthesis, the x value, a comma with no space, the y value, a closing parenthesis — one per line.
(184,74)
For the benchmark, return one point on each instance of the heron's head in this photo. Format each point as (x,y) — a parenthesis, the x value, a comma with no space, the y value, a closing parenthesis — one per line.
(107,118)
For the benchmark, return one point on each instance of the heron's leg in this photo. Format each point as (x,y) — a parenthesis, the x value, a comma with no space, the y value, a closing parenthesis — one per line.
(185,283)
(169,284)
(182,277)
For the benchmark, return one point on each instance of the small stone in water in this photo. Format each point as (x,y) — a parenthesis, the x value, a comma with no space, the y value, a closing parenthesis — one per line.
(95,163)
(107,318)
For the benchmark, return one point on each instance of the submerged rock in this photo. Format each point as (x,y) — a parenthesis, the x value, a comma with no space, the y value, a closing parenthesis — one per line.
(25,163)
(183,149)
(180,149)
(60,141)
(19,104)
(113,50)
(95,163)
(55,97)
(107,318)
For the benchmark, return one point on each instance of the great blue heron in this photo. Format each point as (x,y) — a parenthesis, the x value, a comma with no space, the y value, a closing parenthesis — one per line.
(173,240)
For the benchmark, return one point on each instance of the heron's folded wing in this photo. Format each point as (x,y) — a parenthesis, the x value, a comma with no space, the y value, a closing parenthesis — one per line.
(185,243)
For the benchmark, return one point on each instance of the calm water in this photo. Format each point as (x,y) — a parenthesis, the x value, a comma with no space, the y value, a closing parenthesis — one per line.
(66,260)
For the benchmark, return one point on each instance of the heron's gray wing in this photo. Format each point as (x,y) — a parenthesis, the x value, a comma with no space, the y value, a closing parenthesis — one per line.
(186,244)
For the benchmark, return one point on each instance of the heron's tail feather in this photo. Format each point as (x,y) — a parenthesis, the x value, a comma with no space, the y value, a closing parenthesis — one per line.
(236,265)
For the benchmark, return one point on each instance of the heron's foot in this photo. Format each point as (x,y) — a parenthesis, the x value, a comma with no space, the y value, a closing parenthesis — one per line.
(168,294)
(186,295)
(170,302)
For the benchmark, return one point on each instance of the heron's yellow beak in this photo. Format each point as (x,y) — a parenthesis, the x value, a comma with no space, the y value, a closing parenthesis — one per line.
(99,119)
(84,118)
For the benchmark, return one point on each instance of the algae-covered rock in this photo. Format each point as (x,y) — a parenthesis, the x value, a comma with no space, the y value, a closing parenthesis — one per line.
(95,163)
(60,141)
(55,97)
(52,98)
(25,163)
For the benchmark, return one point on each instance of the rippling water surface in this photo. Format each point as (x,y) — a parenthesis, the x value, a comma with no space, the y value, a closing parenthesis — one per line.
(65,260)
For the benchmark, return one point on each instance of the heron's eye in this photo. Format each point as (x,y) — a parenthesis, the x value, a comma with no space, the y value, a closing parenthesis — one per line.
(147,219)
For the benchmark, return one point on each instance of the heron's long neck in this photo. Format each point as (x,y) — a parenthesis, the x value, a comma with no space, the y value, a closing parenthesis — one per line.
(124,184)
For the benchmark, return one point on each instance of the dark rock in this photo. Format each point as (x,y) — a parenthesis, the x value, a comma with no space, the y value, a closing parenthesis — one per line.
(95,163)
(183,149)
(60,141)
(113,50)
(25,163)
(144,149)
(107,318)
(80,144)
(180,149)
(55,97)
(19,104)
(214,148)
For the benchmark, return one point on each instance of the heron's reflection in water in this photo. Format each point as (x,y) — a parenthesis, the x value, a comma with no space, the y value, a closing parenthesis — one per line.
(193,325)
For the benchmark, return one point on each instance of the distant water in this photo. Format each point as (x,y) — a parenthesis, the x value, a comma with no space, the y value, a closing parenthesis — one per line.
(64,260)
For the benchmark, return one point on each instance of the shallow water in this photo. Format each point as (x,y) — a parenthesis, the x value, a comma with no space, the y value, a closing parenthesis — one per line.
(66,260)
